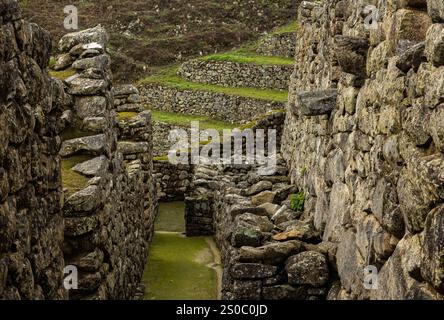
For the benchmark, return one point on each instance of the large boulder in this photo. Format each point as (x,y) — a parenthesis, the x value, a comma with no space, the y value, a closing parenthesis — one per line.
(351,53)
(85,200)
(96,35)
(315,103)
(90,144)
(93,167)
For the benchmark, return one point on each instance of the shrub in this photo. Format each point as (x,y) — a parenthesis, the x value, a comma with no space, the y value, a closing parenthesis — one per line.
(297,201)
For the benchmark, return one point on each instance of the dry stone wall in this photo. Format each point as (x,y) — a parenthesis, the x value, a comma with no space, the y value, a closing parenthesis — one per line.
(234,74)
(109,222)
(363,139)
(31,222)
(205,103)
(281,45)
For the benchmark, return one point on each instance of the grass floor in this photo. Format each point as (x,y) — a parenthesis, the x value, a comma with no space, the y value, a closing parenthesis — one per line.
(177,266)
(72,180)
(170,79)
(177,269)
(171,217)
(184,120)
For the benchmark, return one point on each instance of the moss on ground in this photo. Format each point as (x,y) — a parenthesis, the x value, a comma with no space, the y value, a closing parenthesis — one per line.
(177,269)
(62,75)
(184,120)
(72,180)
(127,115)
(171,217)
(177,266)
(169,78)
(249,58)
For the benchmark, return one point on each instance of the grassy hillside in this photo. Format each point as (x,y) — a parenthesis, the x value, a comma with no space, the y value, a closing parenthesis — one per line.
(149,34)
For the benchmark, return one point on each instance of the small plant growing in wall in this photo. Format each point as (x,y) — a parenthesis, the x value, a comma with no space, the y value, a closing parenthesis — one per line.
(297,201)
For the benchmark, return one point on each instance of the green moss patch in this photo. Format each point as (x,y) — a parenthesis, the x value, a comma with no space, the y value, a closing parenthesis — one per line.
(62,75)
(170,79)
(184,120)
(126,115)
(71,180)
(177,269)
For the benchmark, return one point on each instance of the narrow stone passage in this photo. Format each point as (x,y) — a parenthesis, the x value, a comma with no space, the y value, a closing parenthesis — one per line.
(179,267)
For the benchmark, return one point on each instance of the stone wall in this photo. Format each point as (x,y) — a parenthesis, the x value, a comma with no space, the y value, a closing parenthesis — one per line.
(234,74)
(267,252)
(109,220)
(31,223)
(172,181)
(214,105)
(364,140)
(281,45)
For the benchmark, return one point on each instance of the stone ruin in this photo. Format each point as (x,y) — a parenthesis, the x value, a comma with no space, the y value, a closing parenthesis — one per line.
(359,180)
(71,195)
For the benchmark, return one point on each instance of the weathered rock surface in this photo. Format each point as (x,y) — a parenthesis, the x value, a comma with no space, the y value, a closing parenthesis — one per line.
(307,268)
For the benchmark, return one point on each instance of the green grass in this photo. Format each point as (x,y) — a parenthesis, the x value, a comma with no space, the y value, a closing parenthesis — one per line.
(62,75)
(289,28)
(170,79)
(184,120)
(72,180)
(177,269)
(171,217)
(242,57)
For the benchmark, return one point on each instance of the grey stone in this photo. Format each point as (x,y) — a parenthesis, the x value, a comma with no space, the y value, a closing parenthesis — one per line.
(252,271)
(432,261)
(434,47)
(351,53)
(273,253)
(259,187)
(90,36)
(85,200)
(307,268)
(90,144)
(93,167)
(315,103)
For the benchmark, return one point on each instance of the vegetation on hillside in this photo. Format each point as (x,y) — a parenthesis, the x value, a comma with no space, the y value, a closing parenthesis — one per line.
(148,34)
